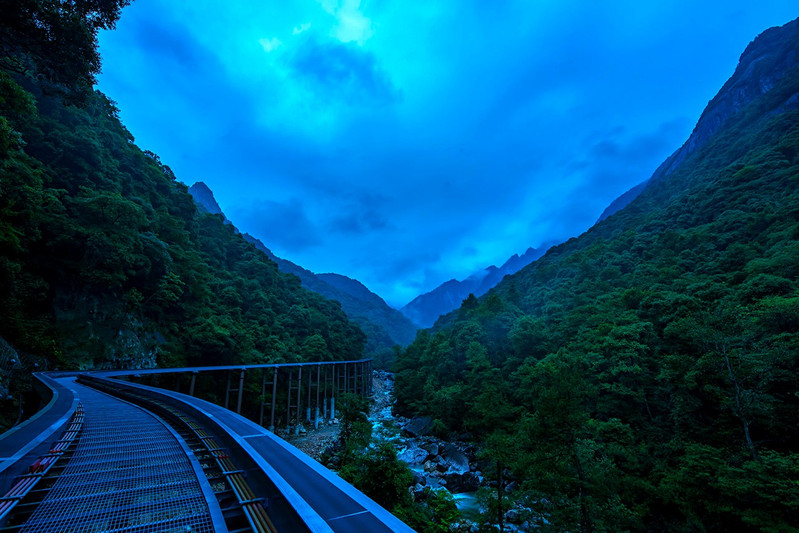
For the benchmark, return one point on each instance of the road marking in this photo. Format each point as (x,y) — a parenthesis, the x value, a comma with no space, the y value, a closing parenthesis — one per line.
(347,515)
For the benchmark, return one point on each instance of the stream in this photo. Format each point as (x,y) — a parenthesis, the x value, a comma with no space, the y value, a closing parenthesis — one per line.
(435,463)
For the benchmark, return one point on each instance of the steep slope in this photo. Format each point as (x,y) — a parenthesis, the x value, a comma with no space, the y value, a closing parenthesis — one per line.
(384,326)
(762,65)
(204,197)
(104,259)
(642,375)
(425,309)
(372,307)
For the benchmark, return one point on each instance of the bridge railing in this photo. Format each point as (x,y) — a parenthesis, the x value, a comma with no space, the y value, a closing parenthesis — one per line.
(276,395)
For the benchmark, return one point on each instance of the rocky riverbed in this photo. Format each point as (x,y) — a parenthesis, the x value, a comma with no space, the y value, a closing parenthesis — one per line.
(435,463)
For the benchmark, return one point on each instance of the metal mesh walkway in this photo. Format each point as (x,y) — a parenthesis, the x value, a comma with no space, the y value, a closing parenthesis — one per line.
(128,473)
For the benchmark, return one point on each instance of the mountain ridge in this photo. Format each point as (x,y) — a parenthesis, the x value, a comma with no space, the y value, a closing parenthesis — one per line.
(426,308)
(760,67)
(642,374)
(383,325)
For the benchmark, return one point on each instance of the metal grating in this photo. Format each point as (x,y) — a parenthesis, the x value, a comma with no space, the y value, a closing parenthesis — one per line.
(128,473)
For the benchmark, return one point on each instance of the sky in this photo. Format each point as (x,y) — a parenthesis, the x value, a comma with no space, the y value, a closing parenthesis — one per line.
(403,143)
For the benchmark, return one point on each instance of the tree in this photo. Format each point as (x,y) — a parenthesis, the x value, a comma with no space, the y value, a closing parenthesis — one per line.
(56,39)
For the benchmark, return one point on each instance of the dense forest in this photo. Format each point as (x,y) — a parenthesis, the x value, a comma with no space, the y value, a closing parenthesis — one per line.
(104,259)
(639,377)
(644,375)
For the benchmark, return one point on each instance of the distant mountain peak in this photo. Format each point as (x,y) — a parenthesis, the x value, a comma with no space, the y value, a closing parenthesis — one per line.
(425,309)
(204,198)
(764,62)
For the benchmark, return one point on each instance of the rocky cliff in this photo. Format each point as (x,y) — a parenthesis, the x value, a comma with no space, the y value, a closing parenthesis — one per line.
(770,57)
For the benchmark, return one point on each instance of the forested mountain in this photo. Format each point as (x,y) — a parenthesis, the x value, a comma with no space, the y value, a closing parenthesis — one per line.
(104,259)
(384,326)
(425,309)
(643,375)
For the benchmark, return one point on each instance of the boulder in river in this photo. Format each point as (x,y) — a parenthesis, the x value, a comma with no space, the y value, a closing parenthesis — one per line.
(454,459)
(465,482)
(413,455)
(419,426)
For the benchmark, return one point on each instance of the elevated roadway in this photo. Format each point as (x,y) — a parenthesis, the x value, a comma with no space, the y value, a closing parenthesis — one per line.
(293,483)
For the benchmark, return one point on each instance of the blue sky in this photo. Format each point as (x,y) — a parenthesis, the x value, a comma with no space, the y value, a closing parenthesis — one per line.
(408,143)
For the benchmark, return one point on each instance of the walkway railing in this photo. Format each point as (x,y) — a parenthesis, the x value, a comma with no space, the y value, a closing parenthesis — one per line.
(289,392)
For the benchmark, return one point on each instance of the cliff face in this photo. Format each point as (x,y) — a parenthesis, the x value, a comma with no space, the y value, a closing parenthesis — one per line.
(205,198)
(769,58)
(766,61)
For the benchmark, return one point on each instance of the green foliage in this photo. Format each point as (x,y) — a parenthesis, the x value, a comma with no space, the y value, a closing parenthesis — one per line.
(434,512)
(356,430)
(381,476)
(642,376)
(56,40)
(104,259)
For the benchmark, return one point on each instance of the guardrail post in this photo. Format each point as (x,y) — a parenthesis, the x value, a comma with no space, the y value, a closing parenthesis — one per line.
(308,405)
(324,402)
(288,401)
(227,390)
(274,397)
(241,390)
(318,387)
(333,393)
(193,382)
(299,399)
(263,397)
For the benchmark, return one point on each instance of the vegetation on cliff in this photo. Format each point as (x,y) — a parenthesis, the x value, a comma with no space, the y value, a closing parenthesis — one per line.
(643,375)
(104,258)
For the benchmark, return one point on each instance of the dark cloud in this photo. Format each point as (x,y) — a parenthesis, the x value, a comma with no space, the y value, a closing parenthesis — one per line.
(168,43)
(453,137)
(346,70)
(283,225)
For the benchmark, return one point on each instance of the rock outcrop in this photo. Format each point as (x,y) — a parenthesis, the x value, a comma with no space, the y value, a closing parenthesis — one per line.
(767,60)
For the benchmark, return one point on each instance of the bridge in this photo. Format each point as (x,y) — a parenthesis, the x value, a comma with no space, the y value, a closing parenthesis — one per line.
(183,449)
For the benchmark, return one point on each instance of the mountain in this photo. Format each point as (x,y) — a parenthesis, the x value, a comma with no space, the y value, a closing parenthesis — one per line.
(105,261)
(425,309)
(204,197)
(763,64)
(642,376)
(383,325)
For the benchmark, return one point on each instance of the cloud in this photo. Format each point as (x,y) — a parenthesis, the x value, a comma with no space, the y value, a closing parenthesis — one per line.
(425,140)
(342,71)
(351,24)
(270,44)
(164,41)
(284,226)
(301,28)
